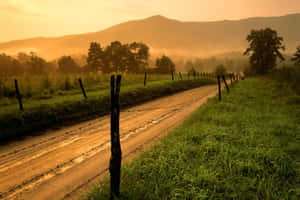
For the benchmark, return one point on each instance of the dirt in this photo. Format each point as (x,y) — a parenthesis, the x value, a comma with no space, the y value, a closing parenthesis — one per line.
(64,163)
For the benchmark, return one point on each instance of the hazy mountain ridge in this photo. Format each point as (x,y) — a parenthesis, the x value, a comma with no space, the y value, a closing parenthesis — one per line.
(167,35)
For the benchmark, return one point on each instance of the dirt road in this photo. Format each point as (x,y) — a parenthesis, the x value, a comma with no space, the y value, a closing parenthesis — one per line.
(63,163)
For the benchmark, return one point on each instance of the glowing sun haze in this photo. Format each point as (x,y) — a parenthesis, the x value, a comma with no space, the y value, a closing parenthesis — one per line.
(31,18)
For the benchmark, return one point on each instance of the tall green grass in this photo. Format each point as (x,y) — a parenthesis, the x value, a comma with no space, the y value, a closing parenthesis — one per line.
(288,75)
(245,147)
(51,86)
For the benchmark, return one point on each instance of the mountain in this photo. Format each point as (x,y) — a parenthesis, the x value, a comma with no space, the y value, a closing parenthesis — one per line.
(165,35)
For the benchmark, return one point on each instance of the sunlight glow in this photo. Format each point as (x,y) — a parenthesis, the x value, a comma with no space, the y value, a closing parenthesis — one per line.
(32,18)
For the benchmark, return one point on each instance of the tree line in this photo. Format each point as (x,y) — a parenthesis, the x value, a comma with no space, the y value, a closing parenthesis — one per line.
(264,50)
(114,58)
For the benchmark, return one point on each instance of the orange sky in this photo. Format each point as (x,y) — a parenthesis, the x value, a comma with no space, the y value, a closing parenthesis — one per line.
(31,18)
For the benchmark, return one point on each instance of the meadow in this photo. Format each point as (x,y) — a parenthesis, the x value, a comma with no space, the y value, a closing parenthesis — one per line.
(51,86)
(245,147)
(56,101)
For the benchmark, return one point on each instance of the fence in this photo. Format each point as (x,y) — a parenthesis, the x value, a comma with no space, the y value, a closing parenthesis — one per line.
(77,85)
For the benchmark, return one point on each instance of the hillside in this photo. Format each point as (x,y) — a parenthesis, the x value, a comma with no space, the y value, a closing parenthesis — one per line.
(167,35)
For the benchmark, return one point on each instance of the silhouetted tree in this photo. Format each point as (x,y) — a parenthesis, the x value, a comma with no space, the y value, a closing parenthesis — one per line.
(138,59)
(9,66)
(296,57)
(37,64)
(95,57)
(165,65)
(265,46)
(220,70)
(23,58)
(192,72)
(189,65)
(67,65)
(198,64)
(116,57)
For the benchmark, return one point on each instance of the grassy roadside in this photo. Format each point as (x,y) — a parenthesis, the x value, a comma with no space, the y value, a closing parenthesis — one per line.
(73,108)
(246,147)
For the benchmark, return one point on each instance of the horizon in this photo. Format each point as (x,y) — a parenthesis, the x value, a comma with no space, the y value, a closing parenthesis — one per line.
(31,19)
(145,18)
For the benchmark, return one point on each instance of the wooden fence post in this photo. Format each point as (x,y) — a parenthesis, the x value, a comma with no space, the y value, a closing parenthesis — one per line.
(172,75)
(18,95)
(225,83)
(82,88)
(219,84)
(180,75)
(230,78)
(145,79)
(116,152)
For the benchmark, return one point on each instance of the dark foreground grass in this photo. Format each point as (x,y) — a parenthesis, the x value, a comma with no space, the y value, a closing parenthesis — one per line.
(246,147)
(49,113)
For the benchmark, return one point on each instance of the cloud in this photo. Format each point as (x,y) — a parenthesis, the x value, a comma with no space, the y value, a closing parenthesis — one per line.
(25,7)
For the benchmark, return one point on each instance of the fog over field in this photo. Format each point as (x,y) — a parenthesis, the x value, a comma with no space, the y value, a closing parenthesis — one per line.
(168,36)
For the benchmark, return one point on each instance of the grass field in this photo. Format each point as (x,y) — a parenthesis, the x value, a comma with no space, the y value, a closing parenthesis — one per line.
(46,87)
(245,147)
(72,107)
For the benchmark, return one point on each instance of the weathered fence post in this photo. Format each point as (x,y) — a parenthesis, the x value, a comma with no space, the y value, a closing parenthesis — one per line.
(145,79)
(116,152)
(225,83)
(219,84)
(82,88)
(180,75)
(172,75)
(18,95)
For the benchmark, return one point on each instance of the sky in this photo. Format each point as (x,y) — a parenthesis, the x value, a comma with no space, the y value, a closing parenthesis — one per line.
(21,19)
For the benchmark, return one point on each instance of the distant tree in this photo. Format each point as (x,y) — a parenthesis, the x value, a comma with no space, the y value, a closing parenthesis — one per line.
(296,57)
(10,66)
(265,46)
(95,57)
(189,65)
(165,65)
(192,72)
(37,64)
(33,64)
(220,70)
(198,64)
(117,57)
(23,58)
(138,57)
(67,65)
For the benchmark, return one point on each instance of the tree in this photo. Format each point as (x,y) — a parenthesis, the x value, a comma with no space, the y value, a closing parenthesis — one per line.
(199,65)
(265,46)
(189,65)
(95,57)
(138,57)
(296,57)
(220,70)
(116,57)
(66,65)
(10,66)
(37,64)
(165,65)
